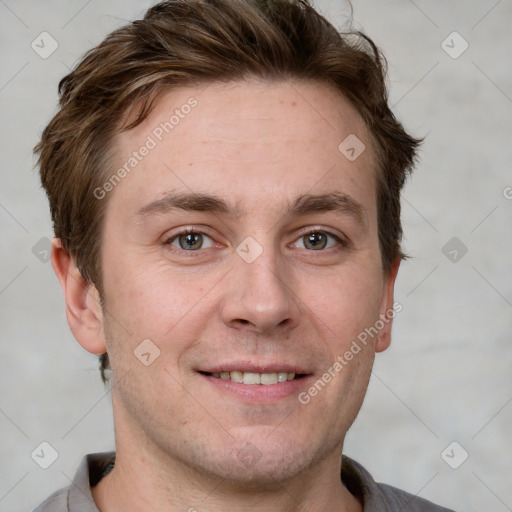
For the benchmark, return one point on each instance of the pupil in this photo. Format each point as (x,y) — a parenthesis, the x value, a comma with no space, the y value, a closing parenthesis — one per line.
(191,241)
(316,240)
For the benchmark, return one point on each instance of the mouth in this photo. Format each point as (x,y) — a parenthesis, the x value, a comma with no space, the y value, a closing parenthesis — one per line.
(256,382)
(255,379)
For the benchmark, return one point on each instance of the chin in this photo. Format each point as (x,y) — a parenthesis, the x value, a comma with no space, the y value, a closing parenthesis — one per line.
(266,474)
(253,468)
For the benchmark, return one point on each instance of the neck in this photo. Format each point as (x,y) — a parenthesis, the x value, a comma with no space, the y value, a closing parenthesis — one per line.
(146,478)
(135,484)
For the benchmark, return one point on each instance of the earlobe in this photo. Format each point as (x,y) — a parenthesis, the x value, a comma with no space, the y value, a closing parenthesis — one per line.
(83,308)
(387,311)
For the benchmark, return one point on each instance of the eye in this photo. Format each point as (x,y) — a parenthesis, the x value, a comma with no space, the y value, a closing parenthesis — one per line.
(190,241)
(317,241)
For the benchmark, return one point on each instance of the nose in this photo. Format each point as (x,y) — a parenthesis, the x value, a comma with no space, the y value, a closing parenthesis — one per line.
(259,297)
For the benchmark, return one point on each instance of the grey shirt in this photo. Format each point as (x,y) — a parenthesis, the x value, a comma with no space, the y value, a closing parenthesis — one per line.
(375,497)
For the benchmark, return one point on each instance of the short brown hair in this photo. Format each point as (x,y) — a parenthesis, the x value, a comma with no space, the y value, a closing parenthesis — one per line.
(189,42)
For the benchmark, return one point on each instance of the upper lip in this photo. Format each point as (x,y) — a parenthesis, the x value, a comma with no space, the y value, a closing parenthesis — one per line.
(252,367)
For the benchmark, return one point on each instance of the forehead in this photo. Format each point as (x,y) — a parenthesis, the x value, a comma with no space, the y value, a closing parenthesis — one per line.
(256,142)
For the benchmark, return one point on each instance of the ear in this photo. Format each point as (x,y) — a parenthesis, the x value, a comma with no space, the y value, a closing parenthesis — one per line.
(83,308)
(387,308)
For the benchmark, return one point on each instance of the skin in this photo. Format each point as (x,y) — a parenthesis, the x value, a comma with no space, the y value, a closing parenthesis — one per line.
(182,440)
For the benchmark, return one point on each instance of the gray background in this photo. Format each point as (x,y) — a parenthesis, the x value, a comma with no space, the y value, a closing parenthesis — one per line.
(447,376)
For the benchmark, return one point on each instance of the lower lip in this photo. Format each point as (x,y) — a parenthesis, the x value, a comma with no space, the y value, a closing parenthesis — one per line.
(258,393)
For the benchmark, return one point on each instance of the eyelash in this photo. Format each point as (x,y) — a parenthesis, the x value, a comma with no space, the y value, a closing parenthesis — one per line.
(185,232)
(340,242)
(338,239)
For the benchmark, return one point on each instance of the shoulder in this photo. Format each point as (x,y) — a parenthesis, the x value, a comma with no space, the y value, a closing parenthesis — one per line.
(57,502)
(77,497)
(379,497)
(396,499)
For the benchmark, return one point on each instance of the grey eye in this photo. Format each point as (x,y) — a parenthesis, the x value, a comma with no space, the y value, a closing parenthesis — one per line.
(191,241)
(316,241)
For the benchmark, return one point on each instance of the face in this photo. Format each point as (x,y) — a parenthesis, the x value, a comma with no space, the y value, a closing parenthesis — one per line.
(242,246)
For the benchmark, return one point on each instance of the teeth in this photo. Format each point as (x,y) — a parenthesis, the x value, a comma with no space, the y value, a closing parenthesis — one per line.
(252,378)
(269,378)
(255,378)
(237,376)
(282,377)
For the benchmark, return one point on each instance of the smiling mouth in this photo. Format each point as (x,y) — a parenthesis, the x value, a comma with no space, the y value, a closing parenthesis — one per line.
(250,378)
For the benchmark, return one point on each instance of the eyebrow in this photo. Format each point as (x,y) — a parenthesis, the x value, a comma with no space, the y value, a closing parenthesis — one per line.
(331,202)
(303,205)
(189,202)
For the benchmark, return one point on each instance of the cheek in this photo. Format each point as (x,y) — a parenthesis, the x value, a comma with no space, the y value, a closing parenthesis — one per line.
(149,300)
(142,289)
(347,302)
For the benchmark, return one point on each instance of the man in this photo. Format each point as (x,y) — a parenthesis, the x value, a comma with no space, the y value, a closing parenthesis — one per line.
(224,180)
